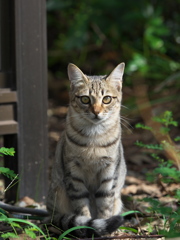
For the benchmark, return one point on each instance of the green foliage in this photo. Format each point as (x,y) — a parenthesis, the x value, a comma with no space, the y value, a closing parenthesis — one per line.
(128,229)
(30,232)
(13,222)
(171,218)
(30,229)
(177,195)
(7,151)
(9,235)
(129,212)
(176,139)
(150,146)
(168,174)
(63,235)
(165,168)
(166,119)
(6,171)
(101,32)
(154,31)
(142,126)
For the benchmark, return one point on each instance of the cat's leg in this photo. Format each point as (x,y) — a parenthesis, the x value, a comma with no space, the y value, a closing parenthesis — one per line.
(79,196)
(119,178)
(118,205)
(105,194)
(104,203)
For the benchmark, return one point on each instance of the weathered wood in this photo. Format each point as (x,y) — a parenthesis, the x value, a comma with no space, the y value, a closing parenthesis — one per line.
(8,127)
(7,96)
(31,80)
(7,123)
(6,112)
(27,66)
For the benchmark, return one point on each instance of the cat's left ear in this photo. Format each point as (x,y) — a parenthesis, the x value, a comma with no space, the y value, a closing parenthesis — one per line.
(116,76)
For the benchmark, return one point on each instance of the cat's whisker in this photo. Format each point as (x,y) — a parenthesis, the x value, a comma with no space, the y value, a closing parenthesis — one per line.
(124,119)
(124,125)
(124,106)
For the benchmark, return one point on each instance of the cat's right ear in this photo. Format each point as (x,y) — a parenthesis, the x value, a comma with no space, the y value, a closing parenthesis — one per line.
(76,76)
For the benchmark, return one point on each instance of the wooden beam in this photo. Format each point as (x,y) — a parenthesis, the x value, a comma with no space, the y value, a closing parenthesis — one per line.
(31,81)
(6,112)
(31,77)
(8,127)
(7,96)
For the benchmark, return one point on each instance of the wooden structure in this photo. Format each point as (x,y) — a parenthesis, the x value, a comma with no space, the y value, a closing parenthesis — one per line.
(23,94)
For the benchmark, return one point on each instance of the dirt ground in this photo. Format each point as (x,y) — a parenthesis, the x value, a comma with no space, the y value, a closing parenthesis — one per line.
(138,164)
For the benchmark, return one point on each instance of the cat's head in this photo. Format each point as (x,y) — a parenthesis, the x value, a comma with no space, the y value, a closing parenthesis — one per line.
(96,98)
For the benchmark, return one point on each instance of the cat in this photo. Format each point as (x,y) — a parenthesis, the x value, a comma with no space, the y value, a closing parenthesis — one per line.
(89,169)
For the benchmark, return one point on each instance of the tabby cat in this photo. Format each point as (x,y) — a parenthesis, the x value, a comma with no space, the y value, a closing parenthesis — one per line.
(89,168)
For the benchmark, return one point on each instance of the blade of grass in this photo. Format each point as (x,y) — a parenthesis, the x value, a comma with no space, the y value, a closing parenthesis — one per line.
(129,212)
(72,229)
(9,220)
(129,229)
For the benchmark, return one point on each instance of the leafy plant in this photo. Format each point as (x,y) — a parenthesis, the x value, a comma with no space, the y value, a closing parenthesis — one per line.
(129,229)
(171,219)
(166,173)
(150,146)
(13,222)
(166,119)
(6,171)
(7,151)
(62,236)
(162,134)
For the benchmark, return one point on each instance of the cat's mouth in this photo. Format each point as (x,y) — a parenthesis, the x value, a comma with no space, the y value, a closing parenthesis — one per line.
(93,118)
(97,119)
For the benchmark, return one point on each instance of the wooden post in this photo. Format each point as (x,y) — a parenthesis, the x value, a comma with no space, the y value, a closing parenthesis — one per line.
(31,80)
(31,85)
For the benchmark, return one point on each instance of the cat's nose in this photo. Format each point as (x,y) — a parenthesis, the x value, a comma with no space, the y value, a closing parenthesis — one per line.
(96,109)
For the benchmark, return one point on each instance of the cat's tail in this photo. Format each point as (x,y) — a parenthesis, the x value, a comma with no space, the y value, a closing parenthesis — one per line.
(96,227)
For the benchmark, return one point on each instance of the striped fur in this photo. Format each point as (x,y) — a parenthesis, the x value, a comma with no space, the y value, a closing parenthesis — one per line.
(89,168)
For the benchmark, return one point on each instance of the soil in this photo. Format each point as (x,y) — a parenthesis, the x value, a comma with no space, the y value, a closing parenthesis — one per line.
(139,163)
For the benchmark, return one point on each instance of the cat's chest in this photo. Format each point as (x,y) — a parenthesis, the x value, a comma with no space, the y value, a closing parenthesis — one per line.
(92,157)
(90,172)
(91,177)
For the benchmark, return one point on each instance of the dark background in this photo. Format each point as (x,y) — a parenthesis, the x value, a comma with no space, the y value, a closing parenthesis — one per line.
(97,35)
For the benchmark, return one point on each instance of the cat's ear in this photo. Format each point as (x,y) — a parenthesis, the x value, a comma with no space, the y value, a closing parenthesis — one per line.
(76,76)
(116,76)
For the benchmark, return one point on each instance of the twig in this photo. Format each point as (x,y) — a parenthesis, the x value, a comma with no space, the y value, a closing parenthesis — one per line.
(10,185)
(122,237)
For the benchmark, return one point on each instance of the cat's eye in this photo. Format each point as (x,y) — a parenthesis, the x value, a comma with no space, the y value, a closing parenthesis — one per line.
(85,99)
(107,99)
